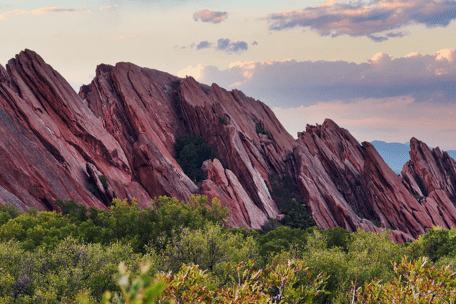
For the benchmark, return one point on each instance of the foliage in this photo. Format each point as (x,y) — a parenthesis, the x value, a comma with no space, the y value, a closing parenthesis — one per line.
(435,244)
(75,212)
(260,130)
(280,240)
(286,194)
(223,121)
(287,281)
(296,216)
(338,237)
(368,256)
(124,222)
(191,152)
(413,282)
(143,289)
(57,275)
(8,211)
(104,181)
(210,247)
(189,255)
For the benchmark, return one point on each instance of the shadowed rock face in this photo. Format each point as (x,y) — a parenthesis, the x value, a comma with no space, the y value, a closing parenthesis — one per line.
(116,139)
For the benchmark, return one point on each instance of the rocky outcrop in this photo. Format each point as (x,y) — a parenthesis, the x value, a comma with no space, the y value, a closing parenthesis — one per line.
(116,138)
(48,136)
(347,184)
(223,184)
(430,176)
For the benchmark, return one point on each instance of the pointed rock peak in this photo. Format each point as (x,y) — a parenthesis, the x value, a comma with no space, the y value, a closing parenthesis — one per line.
(328,123)
(414,141)
(127,66)
(418,145)
(29,55)
(190,78)
(3,74)
(103,68)
(368,145)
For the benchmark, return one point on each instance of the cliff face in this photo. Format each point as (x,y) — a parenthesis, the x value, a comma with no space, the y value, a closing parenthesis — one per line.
(430,176)
(123,126)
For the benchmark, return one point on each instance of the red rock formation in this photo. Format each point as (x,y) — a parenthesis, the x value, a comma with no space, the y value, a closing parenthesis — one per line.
(349,185)
(430,176)
(145,110)
(122,127)
(116,139)
(224,185)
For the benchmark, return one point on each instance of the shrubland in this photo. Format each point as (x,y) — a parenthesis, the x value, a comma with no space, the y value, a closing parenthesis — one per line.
(175,252)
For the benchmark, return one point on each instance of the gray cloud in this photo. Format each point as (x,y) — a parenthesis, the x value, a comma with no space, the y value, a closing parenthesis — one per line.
(203,45)
(210,16)
(290,83)
(369,19)
(223,45)
(231,47)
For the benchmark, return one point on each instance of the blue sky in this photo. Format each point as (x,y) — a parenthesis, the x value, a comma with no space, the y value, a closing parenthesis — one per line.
(384,69)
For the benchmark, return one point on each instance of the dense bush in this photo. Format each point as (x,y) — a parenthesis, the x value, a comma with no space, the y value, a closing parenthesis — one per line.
(59,274)
(191,152)
(190,256)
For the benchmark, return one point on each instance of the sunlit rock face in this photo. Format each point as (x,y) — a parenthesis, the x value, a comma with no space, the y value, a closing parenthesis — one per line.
(116,138)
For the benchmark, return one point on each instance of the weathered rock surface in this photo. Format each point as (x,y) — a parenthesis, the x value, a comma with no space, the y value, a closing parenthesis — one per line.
(116,139)
(224,185)
(123,127)
(430,176)
(347,184)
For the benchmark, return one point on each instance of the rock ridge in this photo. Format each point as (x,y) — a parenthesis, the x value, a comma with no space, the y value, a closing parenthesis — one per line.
(116,139)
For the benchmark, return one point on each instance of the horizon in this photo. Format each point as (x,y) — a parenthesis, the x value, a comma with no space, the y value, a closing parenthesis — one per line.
(382,70)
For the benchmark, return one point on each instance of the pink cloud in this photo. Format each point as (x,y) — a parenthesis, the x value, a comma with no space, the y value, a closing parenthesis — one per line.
(388,119)
(210,16)
(39,11)
(376,19)
(290,83)
(125,37)
(107,7)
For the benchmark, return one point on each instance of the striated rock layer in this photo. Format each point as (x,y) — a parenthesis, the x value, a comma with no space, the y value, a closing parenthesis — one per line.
(116,139)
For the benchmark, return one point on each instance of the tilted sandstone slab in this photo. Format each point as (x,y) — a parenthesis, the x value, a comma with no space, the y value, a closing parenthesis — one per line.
(116,138)
(430,176)
(349,185)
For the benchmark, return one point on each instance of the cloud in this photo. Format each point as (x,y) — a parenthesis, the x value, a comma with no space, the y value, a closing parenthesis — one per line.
(210,16)
(203,45)
(254,43)
(291,83)
(194,71)
(107,7)
(125,37)
(39,11)
(383,98)
(223,45)
(375,19)
(231,47)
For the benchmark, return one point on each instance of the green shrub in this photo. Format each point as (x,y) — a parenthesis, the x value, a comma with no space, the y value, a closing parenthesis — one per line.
(191,152)
(223,121)
(286,195)
(104,181)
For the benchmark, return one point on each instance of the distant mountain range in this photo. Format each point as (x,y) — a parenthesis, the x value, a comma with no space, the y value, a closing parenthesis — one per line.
(397,154)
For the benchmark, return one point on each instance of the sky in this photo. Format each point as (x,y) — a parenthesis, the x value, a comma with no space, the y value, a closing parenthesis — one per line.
(383,69)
